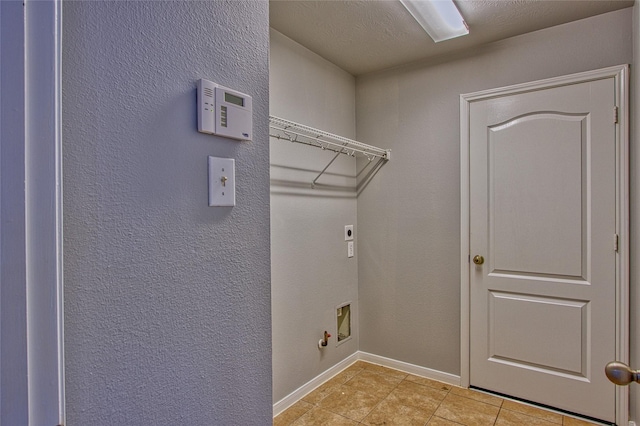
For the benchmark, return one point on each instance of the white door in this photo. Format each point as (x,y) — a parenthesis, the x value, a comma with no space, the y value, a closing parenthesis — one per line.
(542,212)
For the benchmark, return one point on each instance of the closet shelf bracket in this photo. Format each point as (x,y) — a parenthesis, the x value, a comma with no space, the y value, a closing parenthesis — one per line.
(286,130)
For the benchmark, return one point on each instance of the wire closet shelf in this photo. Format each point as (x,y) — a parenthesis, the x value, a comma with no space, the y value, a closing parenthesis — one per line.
(286,130)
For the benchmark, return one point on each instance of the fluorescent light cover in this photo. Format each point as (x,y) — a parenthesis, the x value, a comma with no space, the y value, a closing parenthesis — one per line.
(439,18)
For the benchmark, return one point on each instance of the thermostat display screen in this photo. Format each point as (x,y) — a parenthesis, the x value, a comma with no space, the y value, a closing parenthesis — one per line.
(233,99)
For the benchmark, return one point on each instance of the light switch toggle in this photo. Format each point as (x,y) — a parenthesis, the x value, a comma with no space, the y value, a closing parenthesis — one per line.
(224,180)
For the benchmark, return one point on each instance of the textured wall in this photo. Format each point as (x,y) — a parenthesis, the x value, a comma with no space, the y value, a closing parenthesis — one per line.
(409,216)
(311,274)
(167,300)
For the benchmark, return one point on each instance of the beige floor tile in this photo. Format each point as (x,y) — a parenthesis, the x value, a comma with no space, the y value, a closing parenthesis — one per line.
(379,385)
(428,382)
(392,413)
(376,395)
(322,391)
(349,372)
(320,417)
(384,370)
(413,395)
(350,402)
(292,413)
(532,411)
(513,418)
(439,421)
(571,421)
(467,411)
(478,396)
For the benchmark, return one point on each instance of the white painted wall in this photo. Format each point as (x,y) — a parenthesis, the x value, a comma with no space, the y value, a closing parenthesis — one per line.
(167,300)
(311,274)
(409,216)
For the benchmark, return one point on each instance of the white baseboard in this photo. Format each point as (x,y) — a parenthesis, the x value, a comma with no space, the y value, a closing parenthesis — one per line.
(303,390)
(440,376)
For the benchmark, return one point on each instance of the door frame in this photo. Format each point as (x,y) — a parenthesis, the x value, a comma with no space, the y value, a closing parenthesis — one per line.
(31,245)
(620,74)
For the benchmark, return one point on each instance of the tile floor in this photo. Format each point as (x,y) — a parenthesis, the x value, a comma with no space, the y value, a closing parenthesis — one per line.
(369,394)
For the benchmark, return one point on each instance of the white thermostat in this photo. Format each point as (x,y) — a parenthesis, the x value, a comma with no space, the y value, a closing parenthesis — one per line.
(224,112)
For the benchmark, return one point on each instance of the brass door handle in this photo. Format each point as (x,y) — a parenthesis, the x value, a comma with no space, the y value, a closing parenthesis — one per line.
(478,260)
(620,373)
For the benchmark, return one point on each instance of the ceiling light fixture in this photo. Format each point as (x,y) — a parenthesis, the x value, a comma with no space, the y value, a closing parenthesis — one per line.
(439,18)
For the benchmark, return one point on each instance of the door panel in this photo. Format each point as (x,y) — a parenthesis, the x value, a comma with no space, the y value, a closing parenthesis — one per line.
(515,339)
(528,235)
(543,214)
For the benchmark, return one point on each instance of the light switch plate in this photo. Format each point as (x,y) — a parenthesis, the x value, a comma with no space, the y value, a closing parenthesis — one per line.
(350,249)
(222,182)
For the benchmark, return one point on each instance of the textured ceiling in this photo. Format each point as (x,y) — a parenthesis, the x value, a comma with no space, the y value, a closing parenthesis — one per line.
(362,36)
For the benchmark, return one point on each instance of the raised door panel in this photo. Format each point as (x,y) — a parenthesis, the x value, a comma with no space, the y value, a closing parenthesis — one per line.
(536,194)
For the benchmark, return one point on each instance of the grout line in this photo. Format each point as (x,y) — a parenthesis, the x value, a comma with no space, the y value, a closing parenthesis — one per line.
(498,415)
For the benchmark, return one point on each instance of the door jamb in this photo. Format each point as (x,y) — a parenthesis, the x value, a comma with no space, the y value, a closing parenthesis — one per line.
(620,74)
(31,283)
(44,211)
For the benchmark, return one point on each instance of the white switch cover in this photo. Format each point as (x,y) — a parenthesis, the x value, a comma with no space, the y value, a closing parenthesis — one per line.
(222,182)
(350,249)
(348,232)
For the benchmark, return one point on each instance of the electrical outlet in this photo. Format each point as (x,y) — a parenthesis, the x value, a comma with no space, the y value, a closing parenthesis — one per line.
(348,233)
(350,249)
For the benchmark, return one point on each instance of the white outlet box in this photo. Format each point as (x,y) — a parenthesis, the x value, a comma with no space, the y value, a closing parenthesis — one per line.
(222,182)
(348,233)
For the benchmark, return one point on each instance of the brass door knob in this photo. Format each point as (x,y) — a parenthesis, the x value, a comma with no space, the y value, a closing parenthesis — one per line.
(478,260)
(620,373)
